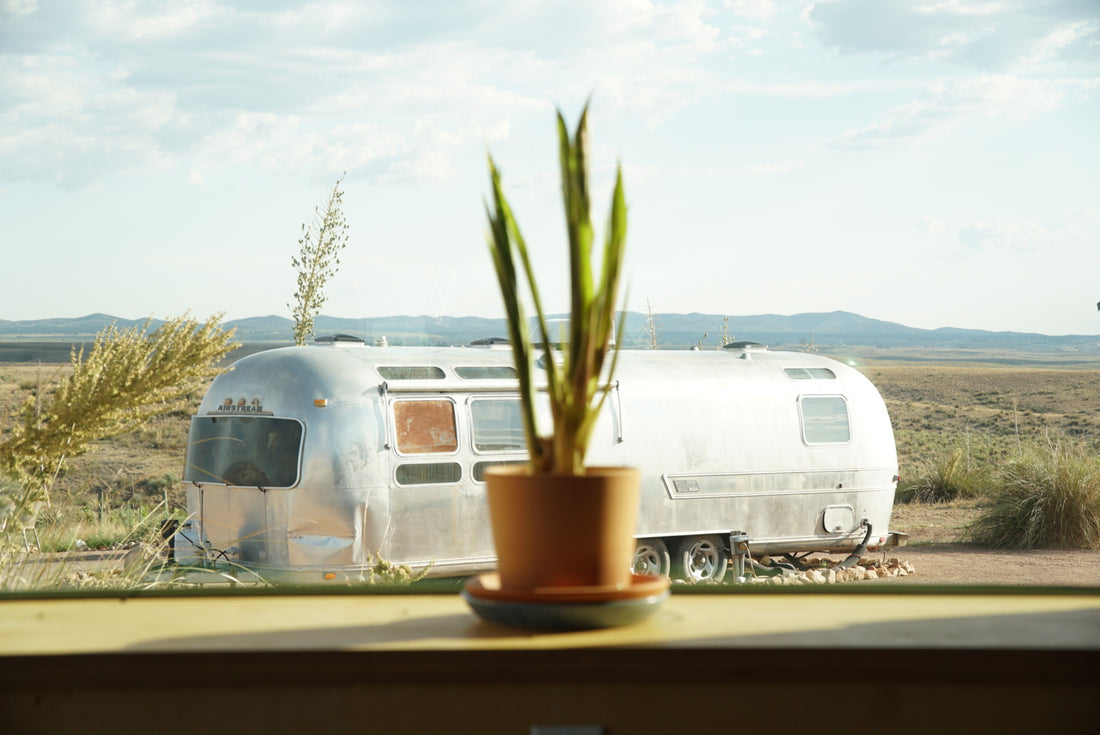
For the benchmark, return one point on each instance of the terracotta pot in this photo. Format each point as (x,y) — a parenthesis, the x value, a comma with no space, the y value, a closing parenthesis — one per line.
(563,531)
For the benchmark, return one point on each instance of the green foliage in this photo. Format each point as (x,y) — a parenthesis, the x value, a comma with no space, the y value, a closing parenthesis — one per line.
(950,479)
(573,375)
(725,337)
(1044,499)
(128,377)
(317,261)
(378,571)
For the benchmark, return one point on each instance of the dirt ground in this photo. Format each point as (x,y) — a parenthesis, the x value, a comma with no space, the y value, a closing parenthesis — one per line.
(936,550)
(934,547)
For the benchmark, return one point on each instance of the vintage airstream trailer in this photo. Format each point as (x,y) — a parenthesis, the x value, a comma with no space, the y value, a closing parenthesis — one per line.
(304,462)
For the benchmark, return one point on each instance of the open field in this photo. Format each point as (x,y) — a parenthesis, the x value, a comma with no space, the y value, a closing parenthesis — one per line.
(987,411)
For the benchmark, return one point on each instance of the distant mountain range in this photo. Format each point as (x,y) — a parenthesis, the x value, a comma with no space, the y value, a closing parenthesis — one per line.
(824,331)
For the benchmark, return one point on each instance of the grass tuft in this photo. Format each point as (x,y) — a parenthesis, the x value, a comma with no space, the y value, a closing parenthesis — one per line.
(1044,500)
(949,480)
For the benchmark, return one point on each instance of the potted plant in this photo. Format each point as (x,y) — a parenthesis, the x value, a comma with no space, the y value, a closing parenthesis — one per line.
(556,522)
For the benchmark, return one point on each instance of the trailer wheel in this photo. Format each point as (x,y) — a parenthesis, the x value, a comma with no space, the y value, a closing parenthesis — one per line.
(701,559)
(651,558)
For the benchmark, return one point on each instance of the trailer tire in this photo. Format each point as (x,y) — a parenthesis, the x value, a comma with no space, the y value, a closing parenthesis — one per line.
(701,559)
(651,558)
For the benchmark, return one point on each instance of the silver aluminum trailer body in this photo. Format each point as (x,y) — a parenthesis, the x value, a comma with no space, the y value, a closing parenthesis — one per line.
(307,462)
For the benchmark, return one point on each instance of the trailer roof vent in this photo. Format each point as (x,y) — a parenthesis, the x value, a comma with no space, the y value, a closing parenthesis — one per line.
(744,346)
(339,339)
(491,342)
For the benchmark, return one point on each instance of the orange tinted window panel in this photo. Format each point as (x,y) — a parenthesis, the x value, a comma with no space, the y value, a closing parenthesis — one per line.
(424,427)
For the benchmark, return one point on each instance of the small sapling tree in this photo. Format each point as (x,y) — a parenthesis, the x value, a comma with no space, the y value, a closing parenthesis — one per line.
(317,261)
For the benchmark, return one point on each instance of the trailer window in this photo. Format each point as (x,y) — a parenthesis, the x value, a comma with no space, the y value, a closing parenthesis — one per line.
(436,473)
(809,373)
(825,419)
(411,372)
(243,450)
(486,372)
(479,468)
(424,427)
(497,425)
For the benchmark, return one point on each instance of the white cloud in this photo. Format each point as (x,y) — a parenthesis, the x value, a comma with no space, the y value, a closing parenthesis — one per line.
(991,238)
(930,225)
(17,8)
(150,21)
(296,85)
(943,106)
(69,121)
(996,35)
(757,9)
(986,237)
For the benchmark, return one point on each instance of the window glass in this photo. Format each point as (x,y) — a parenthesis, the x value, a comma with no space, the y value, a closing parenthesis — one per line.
(825,419)
(486,372)
(423,427)
(480,467)
(411,372)
(243,450)
(809,373)
(428,474)
(497,425)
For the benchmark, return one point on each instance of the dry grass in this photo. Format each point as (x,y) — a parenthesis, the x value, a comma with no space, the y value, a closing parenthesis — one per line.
(986,413)
(100,496)
(1044,499)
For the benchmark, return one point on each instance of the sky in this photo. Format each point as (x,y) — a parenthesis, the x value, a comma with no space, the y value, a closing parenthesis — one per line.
(927,162)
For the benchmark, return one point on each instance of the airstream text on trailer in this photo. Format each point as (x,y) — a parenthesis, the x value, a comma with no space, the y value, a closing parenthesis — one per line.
(305,463)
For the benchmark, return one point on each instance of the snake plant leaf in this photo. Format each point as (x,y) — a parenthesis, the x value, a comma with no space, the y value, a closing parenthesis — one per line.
(576,379)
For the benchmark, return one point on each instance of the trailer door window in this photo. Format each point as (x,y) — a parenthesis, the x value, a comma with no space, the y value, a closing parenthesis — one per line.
(425,426)
(824,419)
(251,451)
(497,425)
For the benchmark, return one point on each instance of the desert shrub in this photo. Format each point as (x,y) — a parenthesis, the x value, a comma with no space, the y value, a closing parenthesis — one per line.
(156,485)
(1044,499)
(107,528)
(948,480)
